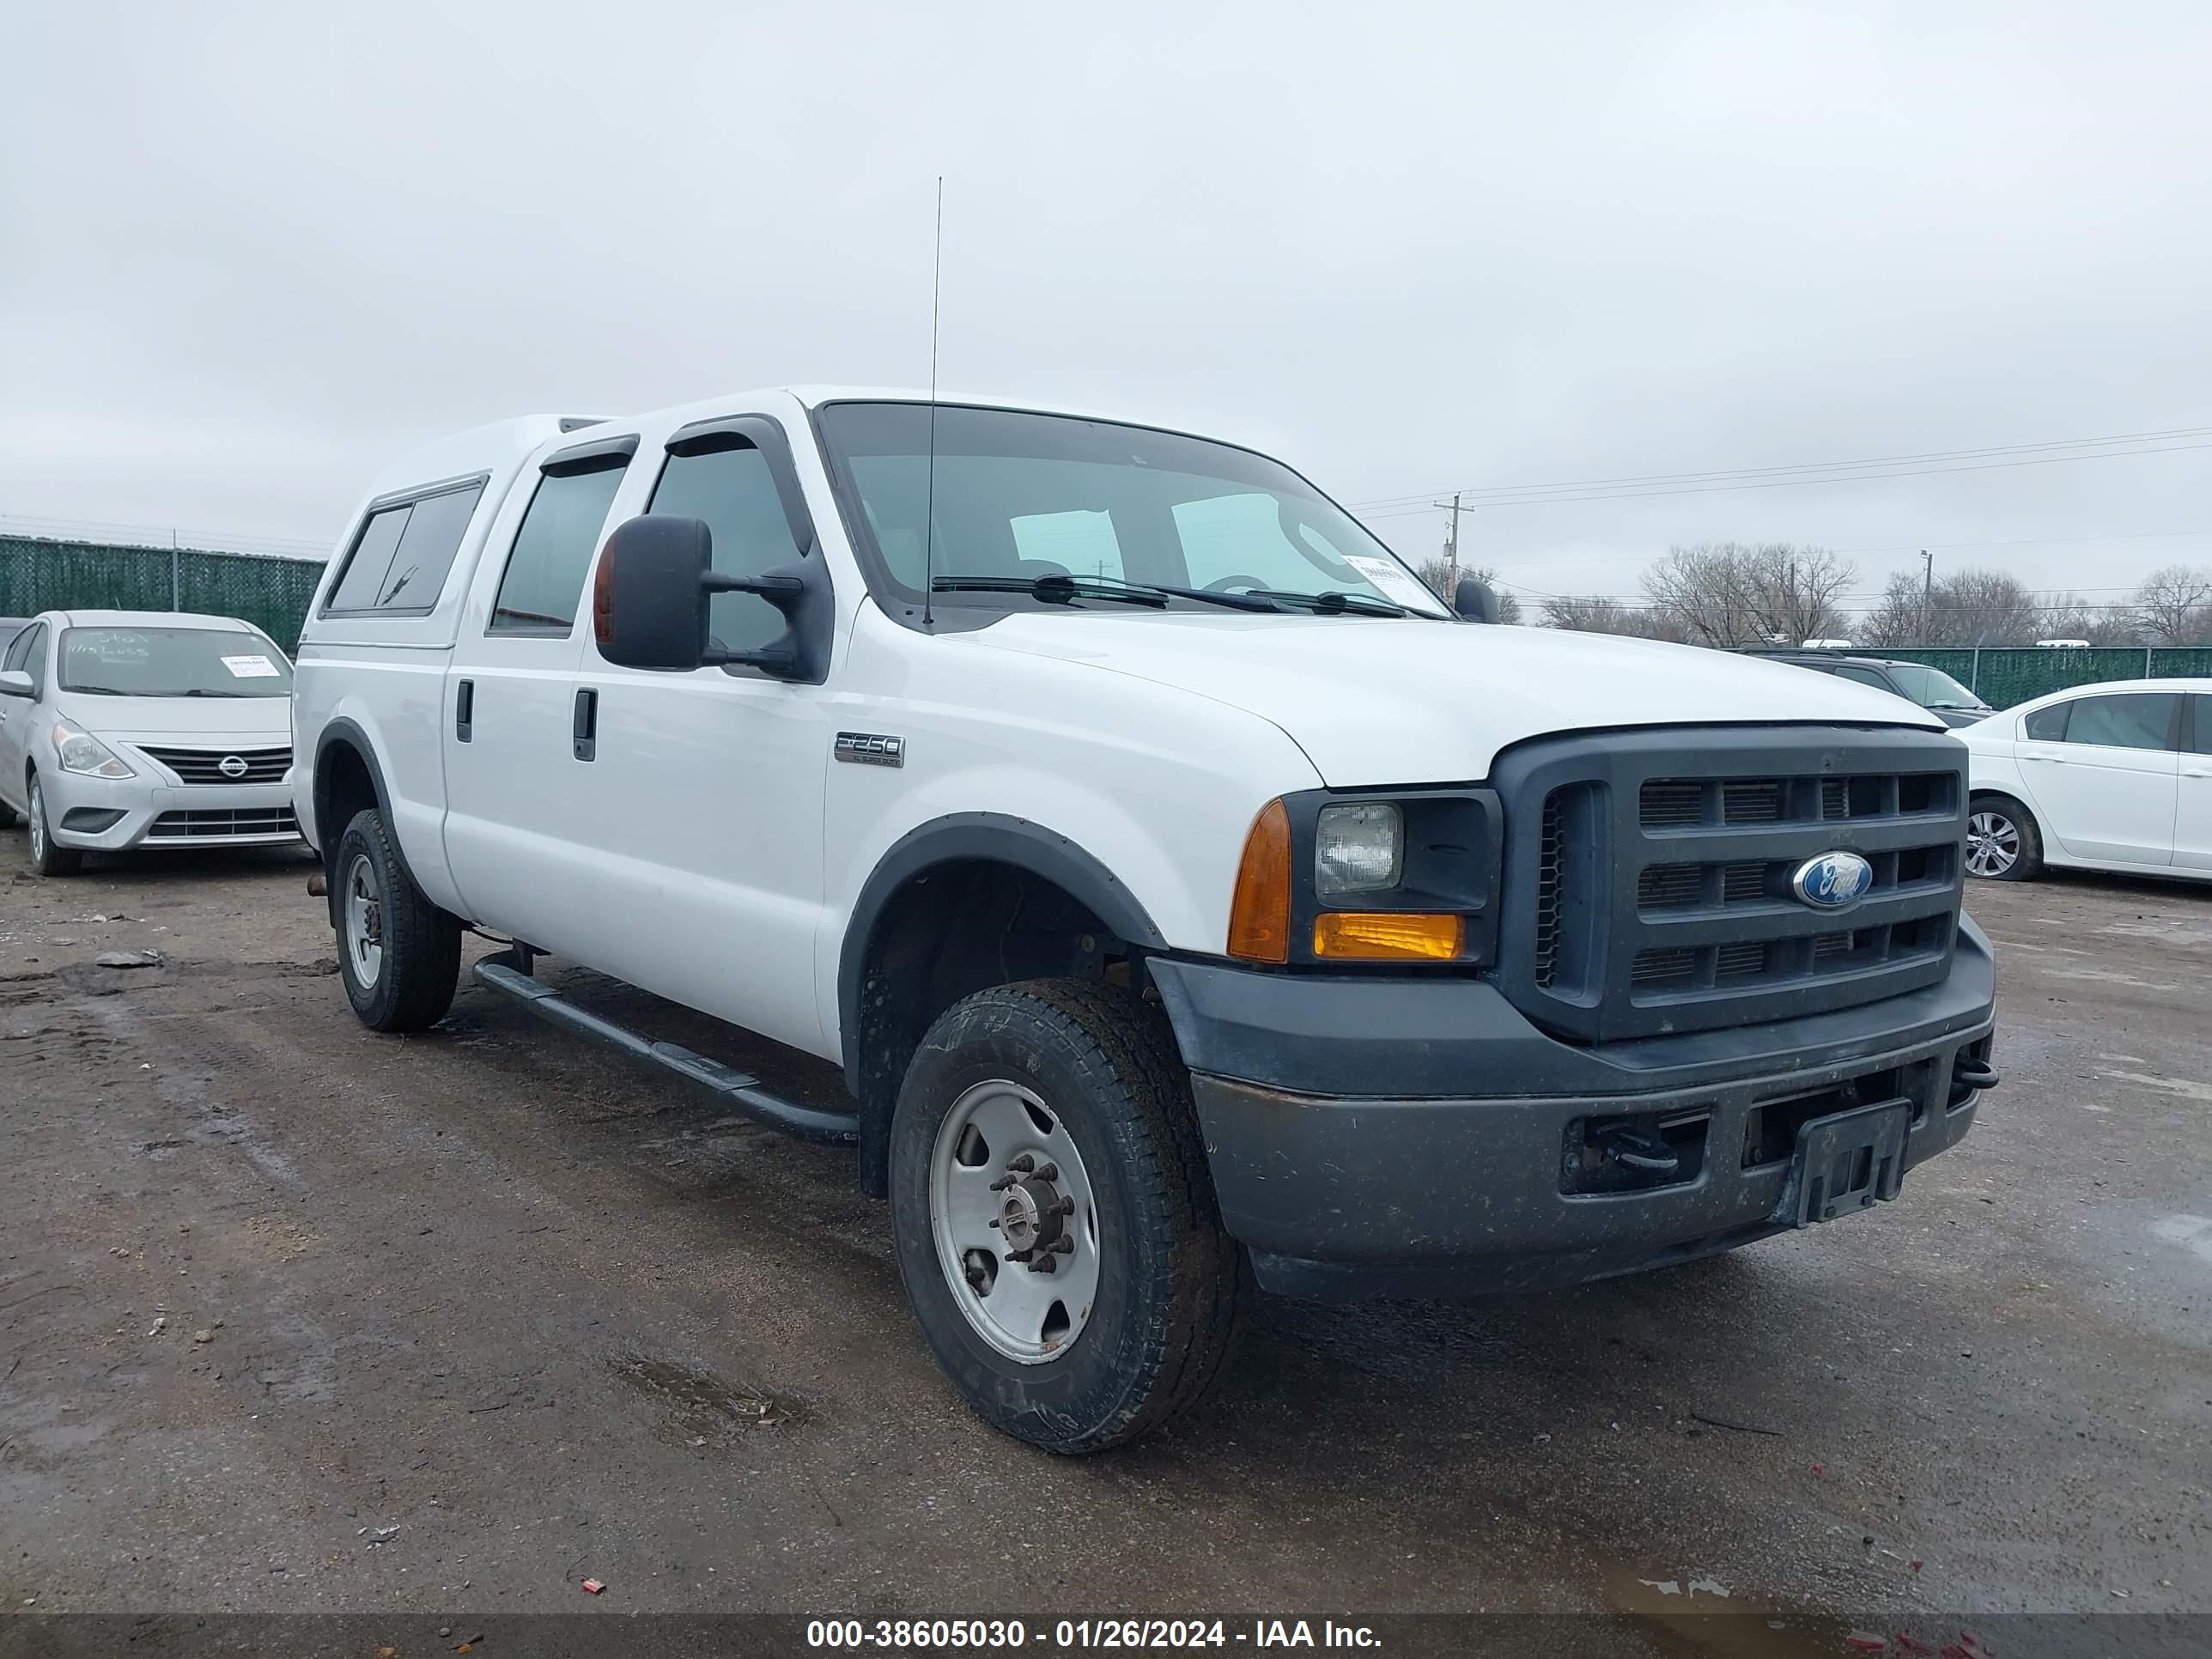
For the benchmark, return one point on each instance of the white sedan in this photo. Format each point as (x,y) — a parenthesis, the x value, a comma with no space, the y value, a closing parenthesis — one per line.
(2117,777)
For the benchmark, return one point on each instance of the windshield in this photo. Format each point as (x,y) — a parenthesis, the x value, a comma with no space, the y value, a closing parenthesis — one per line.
(1931,688)
(172,662)
(1017,496)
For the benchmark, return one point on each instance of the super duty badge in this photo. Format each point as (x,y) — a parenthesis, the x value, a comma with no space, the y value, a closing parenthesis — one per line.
(871,749)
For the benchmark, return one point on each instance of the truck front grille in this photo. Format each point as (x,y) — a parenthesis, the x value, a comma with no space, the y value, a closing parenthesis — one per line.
(1658,879)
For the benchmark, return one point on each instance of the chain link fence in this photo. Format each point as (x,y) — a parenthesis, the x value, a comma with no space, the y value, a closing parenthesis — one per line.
(38,574)
(2012,674)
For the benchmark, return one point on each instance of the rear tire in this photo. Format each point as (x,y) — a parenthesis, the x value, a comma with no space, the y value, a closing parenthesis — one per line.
(2003,842)
(48,858)
(399,955)
(1088,1075)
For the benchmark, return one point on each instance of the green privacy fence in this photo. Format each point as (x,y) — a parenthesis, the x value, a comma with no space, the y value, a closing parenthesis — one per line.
(37,574)
(2009,675)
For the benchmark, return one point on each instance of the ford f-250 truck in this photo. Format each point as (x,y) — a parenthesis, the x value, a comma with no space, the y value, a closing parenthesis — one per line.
(1191,899)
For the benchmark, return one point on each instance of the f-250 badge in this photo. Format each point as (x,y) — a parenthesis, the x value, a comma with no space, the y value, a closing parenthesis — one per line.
(871,749)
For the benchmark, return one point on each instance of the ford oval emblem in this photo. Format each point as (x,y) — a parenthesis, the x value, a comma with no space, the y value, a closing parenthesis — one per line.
(232,765)
(1834,881)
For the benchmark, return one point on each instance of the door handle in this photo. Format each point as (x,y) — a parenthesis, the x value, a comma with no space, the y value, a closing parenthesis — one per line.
(2196,772)
(465,710)
(583,728)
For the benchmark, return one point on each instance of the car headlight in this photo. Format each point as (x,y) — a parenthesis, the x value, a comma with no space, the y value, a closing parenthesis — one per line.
(1358,848)
(81,752)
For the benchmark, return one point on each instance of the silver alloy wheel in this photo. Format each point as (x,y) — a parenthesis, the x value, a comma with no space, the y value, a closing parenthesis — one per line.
(364,922)
(37,816)
(1992,844)
(1017,1229)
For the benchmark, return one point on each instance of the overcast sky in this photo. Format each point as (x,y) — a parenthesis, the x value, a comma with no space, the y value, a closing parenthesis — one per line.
(248,254)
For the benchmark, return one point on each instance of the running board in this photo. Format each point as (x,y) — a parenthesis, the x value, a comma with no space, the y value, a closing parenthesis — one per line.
(503,972)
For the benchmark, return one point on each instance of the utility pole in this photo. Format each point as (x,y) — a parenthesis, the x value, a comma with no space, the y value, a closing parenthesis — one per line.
(1927,590)
(1451,548)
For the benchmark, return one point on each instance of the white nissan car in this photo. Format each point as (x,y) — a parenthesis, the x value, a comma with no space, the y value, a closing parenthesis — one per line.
(123,729)
(2115,776)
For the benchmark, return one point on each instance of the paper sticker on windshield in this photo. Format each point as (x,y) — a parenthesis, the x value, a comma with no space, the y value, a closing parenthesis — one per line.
(1395,582)
(251,668)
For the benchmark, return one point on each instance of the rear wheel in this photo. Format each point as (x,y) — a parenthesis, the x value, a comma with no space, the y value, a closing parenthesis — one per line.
(2002,841)
(1054,1219)
(47,858)
(399,955)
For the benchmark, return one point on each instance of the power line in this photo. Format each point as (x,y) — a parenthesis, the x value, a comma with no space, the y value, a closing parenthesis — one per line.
(1711,475)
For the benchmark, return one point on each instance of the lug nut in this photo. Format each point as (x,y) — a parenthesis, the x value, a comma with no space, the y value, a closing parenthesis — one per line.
(1019,1255)
(1002,1183)
(1067,1204)
(1044,1264)
(1064,1245)
(1050,1172)
(1022,1164)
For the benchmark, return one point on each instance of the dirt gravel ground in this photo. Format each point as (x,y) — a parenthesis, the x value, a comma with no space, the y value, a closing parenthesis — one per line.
(294,1317)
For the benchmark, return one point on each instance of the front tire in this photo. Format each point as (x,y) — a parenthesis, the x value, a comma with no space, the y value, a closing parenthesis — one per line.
(399,955)
(2003,841)
(1060,1110)
(47,858)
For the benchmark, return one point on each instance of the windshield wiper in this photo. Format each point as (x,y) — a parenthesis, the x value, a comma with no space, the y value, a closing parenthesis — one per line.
(1336,605)
(198,691)
(97,691)
(1052,590)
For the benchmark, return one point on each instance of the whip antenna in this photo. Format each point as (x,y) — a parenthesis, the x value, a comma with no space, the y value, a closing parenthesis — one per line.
(929,506)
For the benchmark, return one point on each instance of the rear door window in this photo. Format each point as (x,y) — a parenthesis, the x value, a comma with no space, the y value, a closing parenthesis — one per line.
(2201,707)
(2139,719)
(2048,725)
(729,487)
(544,576)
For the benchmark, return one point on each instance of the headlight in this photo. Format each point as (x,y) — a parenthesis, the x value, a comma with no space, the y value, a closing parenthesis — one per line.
(1359,849)
(80,751)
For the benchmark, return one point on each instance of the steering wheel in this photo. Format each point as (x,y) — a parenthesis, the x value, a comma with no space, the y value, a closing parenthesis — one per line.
(1227,582)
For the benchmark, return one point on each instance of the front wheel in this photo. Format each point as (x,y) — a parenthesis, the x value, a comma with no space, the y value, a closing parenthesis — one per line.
(1054,1223)
(399,955)
(47,858)
(2002,841)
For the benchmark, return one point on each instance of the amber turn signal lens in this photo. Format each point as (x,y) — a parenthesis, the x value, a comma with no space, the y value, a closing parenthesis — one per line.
(1260,914)
(1381,936)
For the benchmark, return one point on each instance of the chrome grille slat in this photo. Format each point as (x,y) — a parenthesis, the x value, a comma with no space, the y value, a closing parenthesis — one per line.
(195,765)
(216,823)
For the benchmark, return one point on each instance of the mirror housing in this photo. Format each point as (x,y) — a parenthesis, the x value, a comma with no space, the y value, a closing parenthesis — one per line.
(656,581)
(15,683)
(1474,601)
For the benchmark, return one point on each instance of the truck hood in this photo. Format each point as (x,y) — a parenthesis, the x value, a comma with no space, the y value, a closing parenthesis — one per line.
(1374,701)
(258,722)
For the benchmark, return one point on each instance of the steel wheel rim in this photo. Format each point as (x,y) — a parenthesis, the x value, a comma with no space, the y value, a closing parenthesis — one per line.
(37,816)
(364,922)
(1992,844)
(1003,1156)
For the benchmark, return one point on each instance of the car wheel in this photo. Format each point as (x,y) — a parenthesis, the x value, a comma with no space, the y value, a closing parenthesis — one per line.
(1053,1218)
(399,955)
(2002,841)
(47,858)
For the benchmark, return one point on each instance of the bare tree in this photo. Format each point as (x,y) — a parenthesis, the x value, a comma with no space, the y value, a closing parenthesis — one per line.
(2173,606)
(2069,616)
(1968,607)
(1736,593)
(1436,574)
(1597,614)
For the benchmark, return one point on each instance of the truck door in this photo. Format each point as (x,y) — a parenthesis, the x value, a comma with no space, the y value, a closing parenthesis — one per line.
(701,810)
(510,704)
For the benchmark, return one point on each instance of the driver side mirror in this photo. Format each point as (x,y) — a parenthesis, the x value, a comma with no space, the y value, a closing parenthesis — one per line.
(15,683)
(656,581)
(1475,601)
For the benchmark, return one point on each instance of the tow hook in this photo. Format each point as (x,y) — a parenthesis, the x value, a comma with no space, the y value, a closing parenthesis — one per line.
(1639,1149)
(1967,1072)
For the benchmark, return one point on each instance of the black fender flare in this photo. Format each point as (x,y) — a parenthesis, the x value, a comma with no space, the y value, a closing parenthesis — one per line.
(349,733)
(961,838)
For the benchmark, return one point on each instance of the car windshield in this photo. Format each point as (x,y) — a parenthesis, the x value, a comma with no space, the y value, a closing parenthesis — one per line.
(172,662)
(1931,688)
(1019,496)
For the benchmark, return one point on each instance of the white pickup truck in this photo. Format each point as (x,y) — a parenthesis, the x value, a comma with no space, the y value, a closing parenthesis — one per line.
(1191,899)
